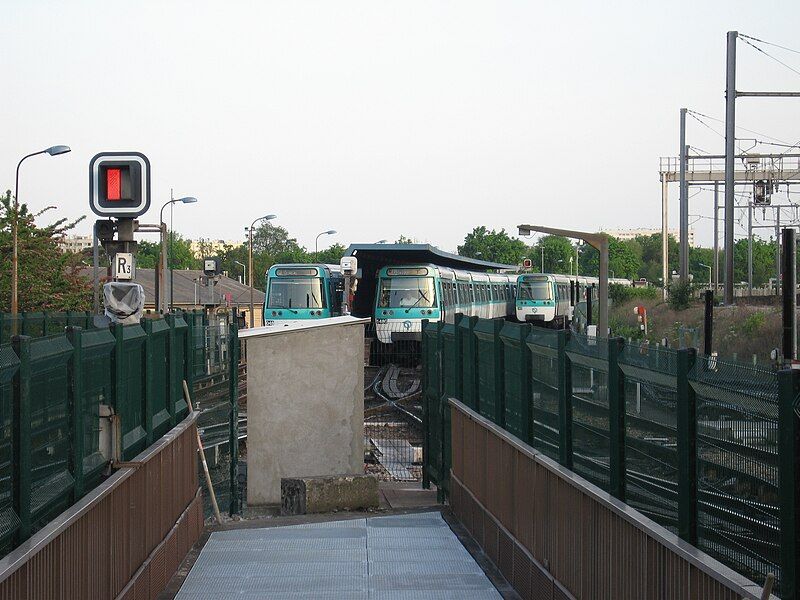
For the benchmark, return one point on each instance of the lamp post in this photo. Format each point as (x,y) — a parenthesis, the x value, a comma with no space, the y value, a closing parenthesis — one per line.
(316,242)
(162,263)
(244,271)
(250,259)
(709,273)
(52,151)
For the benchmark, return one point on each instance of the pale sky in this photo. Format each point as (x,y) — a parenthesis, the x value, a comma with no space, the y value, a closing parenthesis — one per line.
(383,118)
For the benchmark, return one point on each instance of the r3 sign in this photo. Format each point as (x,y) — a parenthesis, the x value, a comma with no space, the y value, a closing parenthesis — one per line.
(124,266)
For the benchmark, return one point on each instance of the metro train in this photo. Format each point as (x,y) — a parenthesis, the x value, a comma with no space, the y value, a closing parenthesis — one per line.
(406,295)
(302,291)
(550,299)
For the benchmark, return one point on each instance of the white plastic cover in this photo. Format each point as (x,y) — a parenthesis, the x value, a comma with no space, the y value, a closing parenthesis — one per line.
(124,302)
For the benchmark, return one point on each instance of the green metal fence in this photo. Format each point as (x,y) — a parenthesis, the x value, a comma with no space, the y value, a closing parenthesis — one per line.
(41,324)
(707,449)
(62,395)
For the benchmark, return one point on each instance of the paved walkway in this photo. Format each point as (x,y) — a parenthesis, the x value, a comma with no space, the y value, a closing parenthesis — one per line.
(414,556)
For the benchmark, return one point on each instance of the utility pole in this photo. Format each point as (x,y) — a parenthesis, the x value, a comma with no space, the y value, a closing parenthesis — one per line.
(664,237)
(716,237)
(730,139)
(749,248)
(684,204)
(777,251)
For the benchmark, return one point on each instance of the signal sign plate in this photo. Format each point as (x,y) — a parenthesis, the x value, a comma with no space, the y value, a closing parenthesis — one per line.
(124,267)
(119,184)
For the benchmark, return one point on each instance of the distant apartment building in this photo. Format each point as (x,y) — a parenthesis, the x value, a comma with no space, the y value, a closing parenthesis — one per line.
(208,247)
(629,234)
(75,243)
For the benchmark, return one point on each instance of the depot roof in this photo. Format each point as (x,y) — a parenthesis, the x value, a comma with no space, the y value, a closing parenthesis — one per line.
(396,254)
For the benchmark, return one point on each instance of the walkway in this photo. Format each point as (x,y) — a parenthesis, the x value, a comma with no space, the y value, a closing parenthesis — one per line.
(411,556)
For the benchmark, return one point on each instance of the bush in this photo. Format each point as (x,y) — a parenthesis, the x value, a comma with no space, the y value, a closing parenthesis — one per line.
(753,322)
(680,294)
(620,293)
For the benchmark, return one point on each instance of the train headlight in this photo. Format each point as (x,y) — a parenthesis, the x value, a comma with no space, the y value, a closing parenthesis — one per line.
(274,313)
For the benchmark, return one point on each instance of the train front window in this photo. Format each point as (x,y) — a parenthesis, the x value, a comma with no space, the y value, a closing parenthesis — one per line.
(300,292)
(534,290)
(407,292)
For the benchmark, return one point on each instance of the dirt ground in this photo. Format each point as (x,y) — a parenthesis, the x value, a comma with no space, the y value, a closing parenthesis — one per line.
(740,331)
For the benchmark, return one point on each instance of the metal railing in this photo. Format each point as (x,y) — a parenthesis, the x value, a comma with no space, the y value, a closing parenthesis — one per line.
(703,447)
(73,401)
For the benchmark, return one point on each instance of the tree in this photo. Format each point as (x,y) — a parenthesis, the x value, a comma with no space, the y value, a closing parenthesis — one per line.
(331,255)
(559,254)
(494,246)
(404,240)
(179,252)
(273,240)
(623,260)
(48,278)
(650,246)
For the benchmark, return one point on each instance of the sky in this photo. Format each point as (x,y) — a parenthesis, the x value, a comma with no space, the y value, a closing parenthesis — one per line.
(380,119)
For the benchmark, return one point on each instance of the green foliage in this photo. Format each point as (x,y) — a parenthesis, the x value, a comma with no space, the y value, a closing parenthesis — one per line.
(274,240)
(680,295)
(48,278)
(493,246)
(753,323)
(404,240)
(180,253)
(559,254)
(623,260)
(620,293)
(331,255)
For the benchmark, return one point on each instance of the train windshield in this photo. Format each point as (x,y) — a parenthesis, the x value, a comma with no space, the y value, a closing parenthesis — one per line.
(296,292)
(534,290)
(405,292)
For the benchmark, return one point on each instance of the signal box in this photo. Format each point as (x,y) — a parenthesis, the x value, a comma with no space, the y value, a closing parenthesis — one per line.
(119,184)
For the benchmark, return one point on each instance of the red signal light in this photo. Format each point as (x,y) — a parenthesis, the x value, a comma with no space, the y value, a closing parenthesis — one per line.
(114,184)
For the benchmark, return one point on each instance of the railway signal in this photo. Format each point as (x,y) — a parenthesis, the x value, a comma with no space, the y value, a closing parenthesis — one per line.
(119,184)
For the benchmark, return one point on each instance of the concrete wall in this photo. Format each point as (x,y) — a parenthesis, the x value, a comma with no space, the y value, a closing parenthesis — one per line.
(305,403)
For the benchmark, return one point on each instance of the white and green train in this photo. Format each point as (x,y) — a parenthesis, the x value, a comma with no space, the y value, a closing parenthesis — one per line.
(407,295)
(550,300)
(302,291)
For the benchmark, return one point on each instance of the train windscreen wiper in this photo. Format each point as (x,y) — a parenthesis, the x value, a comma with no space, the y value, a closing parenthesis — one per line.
(421,296)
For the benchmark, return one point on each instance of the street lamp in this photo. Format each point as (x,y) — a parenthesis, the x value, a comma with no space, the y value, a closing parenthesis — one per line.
(250,259)
(316,241)
(244,269)
(162,304)
(709,273)
(52,151)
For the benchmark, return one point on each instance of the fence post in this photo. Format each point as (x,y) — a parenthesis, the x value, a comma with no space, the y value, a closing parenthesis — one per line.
(526,383)
(499,376)
(459,361)
(616,416)
(149,386)
(472,362)
(789,480)
(74,335)
(687,448)
(233,360)
(440,494)
(188,350)
(23,323)
(45,324)
(426,422)
(21,439)
(172,370)
(564,401)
